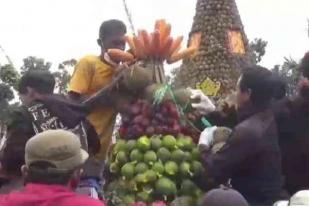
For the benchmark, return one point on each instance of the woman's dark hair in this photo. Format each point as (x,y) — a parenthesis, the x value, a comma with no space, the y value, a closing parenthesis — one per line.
(40,80)
(112,27)
(258,80)
(43,172)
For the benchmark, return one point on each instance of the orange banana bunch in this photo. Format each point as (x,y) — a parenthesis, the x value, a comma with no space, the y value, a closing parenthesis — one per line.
(159,45)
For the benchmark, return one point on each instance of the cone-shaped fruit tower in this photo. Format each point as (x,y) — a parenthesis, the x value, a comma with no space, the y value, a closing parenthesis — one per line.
(155,159)
(223,52)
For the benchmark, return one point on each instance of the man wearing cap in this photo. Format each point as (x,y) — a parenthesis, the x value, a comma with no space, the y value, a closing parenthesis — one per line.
(53,162)
(43,110)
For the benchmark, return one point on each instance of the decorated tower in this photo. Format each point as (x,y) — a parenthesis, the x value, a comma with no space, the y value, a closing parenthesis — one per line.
(223,52)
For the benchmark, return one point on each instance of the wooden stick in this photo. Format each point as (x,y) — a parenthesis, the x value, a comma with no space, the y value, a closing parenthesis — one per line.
(104,91)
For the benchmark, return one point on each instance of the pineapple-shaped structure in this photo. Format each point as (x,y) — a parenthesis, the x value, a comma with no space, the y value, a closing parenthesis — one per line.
(223,52)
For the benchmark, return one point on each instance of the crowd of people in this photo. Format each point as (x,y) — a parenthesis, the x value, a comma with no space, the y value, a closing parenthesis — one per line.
(55,147)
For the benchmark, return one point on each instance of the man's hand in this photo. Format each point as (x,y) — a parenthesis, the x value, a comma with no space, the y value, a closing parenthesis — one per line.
(205,105)
(206,140)
(103,93)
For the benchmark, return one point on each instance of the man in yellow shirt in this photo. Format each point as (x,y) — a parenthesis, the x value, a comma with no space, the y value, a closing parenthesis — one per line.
(92,73)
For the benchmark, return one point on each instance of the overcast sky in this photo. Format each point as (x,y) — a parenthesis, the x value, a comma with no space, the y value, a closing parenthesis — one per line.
(61,29)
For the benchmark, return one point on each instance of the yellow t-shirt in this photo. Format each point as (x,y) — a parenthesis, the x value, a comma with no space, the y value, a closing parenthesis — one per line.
(91,75)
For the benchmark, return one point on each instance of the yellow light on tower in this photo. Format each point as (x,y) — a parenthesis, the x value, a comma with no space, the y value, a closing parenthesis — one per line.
(236,42)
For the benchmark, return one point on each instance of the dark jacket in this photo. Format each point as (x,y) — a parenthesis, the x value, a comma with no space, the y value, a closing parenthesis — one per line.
(251,158)
(21,129)
(292,117)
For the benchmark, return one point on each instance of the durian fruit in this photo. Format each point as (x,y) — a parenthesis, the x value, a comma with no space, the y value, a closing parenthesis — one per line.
(217,20)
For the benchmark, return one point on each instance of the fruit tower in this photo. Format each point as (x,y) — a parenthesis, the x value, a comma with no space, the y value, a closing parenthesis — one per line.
(223,52)
(155,159)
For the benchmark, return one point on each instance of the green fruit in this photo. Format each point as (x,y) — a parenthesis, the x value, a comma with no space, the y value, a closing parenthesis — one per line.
(158,168)
(131,185)
(143,196)
(147,188)
(180,142)
(197,168)
(198,193)
(183,201)
(136,155)
(121,157)
(143,143)
(141,168)
(188,143)
(187,156)
(114,167)
(129,199)
(163,154)
(131,145)
(165,187)
(150,157)
(195,154)
(171,168)
(187,187)
(120,145)
(169,142)
(127,171)
(155,143)
(184,169)
(140,178)
(177,155)
(151,175)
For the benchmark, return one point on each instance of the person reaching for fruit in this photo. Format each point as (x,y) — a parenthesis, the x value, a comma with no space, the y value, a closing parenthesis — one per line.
(93,73)
(204,106)
(222,115)
(251,155)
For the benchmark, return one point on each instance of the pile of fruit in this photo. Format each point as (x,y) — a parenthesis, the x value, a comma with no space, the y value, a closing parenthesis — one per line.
(155,157)
(216,19)
(142,117)
(159,168)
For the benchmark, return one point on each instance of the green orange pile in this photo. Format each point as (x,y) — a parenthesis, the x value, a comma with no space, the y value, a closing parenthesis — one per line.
(156,168)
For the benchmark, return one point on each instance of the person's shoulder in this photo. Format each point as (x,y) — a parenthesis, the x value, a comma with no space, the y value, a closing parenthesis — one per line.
(252,127)
(246,130)
(256,125)
(90,59)
(84,200)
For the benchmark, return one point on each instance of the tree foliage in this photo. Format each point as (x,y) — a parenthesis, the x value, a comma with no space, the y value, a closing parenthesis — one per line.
(8,80)
(34,63)
(63,76)
(258,48)
(9,75)
(290,73)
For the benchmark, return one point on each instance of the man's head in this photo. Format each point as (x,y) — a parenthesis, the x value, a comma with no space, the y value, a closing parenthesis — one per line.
(54,157)
(34,84)
(223,197)
(255,86)
(111,35)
